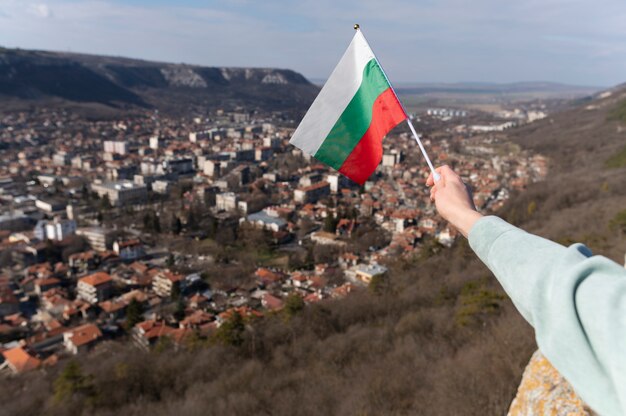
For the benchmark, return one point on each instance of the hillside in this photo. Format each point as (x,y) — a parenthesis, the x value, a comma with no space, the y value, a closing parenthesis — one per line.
(586,187)
(54,78)
(440,338)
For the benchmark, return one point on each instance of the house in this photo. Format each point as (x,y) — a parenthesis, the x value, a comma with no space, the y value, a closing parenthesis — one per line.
(271,302)
(43,285)
(81,338)
(402,219)
(95,288)
(244,311)
(46,340)
(264,220)
(226,201)
(345,227)
(9,304)
(114,309)
(326,238)
(267,277)
(17,361)
(342,291)
(198,301)
(347,260)
(98,238)
(312,193)
(122,192)
(313,297)
(82,262)
(146,334)
(366,272)
(58,229)
(196,320)
(165,282)
(128,249)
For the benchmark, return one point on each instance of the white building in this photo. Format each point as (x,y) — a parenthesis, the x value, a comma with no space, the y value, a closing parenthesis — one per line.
(312,193)
(56,230)
(129,249)
(154,142)
(81,338)
(163,283)
(161,187)
(98,238)
(61,158)
(116,147)
(366,272)
(266,221)
(226,201)
(121,192)
(392,159)
(95,288)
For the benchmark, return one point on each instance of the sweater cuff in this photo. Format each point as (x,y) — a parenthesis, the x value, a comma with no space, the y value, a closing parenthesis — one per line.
(485,232)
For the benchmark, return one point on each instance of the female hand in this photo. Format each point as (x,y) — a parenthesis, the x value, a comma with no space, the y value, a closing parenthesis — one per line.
(453,199)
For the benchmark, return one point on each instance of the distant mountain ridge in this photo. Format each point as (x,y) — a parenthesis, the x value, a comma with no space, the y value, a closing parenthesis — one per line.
(488,87)
(114,81)
(497,88)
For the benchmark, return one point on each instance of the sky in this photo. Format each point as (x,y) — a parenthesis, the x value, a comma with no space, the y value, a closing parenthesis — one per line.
(569,41)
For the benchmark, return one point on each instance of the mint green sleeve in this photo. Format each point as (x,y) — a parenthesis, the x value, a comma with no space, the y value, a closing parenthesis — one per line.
(576,303)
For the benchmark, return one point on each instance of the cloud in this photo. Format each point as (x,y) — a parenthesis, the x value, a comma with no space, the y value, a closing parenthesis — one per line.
(40,10)
(445,40)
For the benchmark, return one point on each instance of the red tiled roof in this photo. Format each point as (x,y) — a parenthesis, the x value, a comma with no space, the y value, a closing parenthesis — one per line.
(20,360)
(129,243)
(267,275)
(84,334)
(272,302)
(154,329)
(86,255)
(96,278)
(47,282)
(315,186)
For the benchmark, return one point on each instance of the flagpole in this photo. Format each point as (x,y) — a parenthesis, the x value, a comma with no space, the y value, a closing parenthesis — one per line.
(436,175)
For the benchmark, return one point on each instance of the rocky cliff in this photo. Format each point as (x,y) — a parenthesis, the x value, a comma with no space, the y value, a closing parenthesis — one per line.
(544,392)
(28,76)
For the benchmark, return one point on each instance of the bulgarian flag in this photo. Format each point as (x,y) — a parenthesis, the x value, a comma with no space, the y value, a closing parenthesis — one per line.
(353,112)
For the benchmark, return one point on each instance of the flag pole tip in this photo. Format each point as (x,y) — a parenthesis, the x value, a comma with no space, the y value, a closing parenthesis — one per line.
(356,26)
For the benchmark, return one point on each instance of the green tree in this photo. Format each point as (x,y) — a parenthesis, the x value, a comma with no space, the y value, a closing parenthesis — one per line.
(151,222)
(618,222)
(211,227)
(194,341)
(171,261)
(379,284)
(293,305)
(176,295)
(105,203)
(72,381)
(164,344)
(147,221)
(192,221)
(177,226)
(231,331)
(179,313)
(134,313)
(156,224)
(330,223)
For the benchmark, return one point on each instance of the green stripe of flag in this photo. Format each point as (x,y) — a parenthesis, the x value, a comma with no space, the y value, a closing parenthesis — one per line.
(355,119)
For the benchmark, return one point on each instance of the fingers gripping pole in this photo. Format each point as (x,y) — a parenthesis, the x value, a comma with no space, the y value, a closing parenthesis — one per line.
(436,175)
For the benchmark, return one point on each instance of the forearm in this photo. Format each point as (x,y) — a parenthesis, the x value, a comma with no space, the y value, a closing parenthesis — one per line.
(573,301)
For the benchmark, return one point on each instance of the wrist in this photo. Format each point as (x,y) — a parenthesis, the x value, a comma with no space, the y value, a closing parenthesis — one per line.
(466,221)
